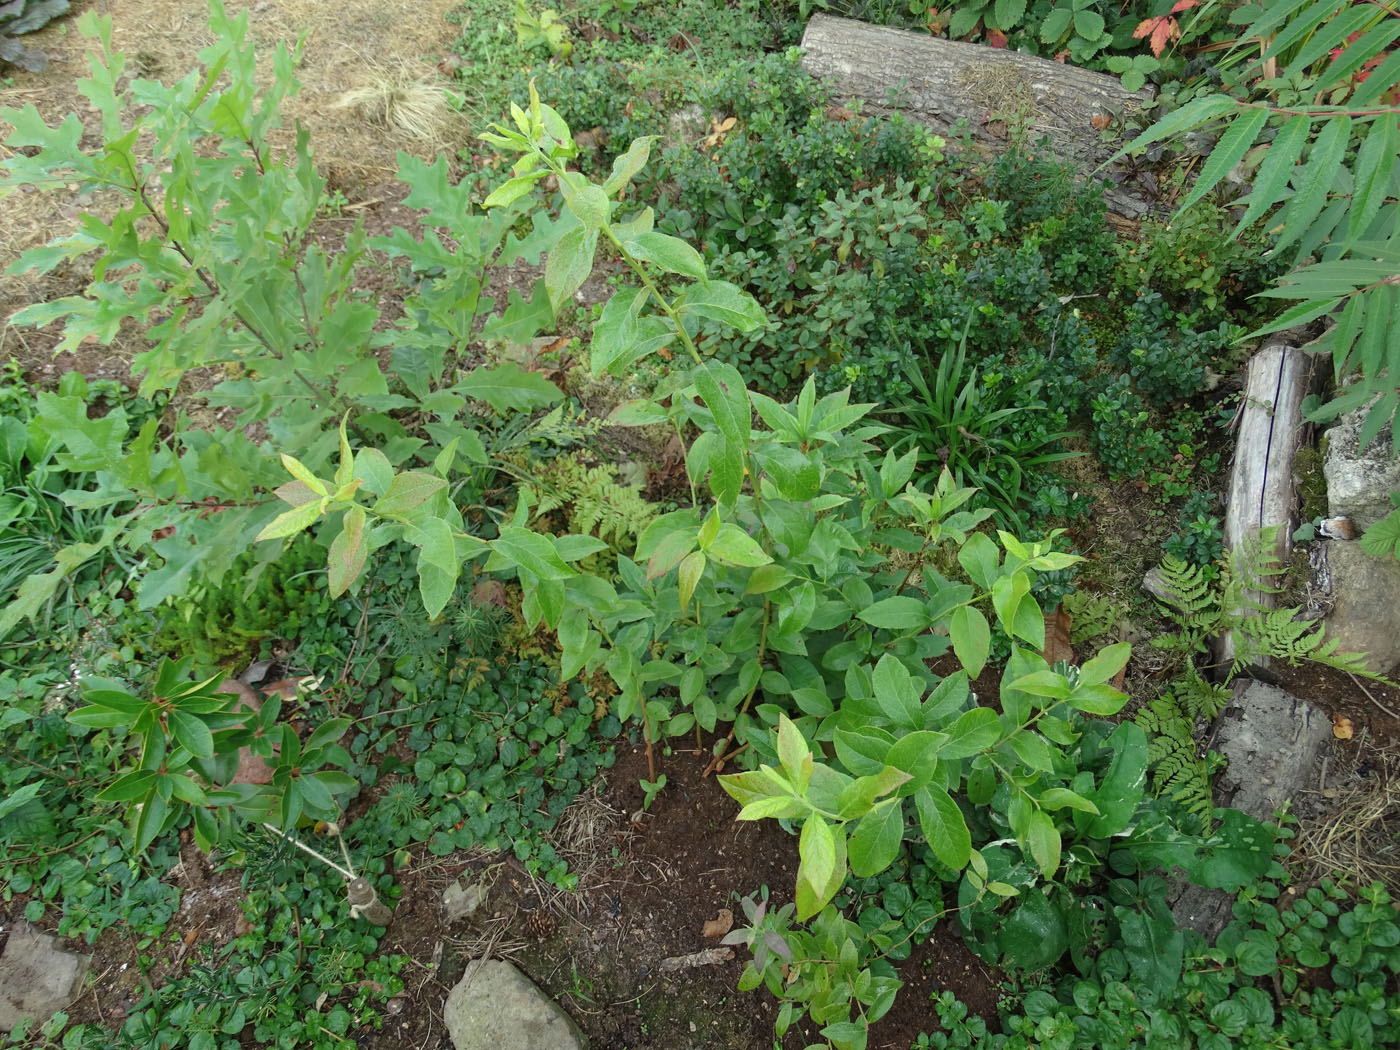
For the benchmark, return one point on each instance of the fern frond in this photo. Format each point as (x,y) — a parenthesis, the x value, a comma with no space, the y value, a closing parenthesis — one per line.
(1199,698)
(1188,592)
(1177,771)
(593,501)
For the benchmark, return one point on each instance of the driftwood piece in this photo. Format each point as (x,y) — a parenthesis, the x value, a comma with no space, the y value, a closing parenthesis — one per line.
(938,82)
(1261,492)
(708,957)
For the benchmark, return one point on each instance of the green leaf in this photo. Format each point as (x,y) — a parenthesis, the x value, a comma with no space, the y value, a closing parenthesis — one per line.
(532,552)
(293,521)
(1044,682)
(191,733)
(1044,842)
(512,190)
(623,336)
(1033,936)
(1055,798)
(508,388)
(1229,151)
(1276,169)
(916,755)
(407,491)
(1374,170)
(1032,749)
(723,391)
(896,614)
(299,471)
(975,731)
(875,843)
(1055,25)
(943,826)
(1088,25)
(971,636)
(627,165)
(1117,797)
(671,254)
(128,787)
(568,266)
(1103,667)
(859,796)
(347,554)
(981,560)
(794,754)
(733,546)
(823,865)
(438,566)
(1383,538)
(1312,184)
(691,569)
(590,205)
(148,819)
(897,693)
(1007,14)
(669,552)
(1195,113)
(723,302)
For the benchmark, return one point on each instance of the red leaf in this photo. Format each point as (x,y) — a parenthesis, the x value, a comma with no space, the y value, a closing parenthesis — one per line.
(1184,5)
(996,38)
(1161,30)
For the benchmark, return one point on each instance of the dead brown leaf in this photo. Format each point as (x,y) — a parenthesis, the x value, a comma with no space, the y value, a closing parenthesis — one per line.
(1057,645)
(1342,727)
(1099,121)
(720,925)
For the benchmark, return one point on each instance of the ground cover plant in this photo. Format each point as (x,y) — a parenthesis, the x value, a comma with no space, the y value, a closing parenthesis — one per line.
(476,611)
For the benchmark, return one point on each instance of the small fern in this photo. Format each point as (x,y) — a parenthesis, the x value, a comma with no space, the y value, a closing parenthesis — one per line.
(592,501)
(1177,771)
(1092,616)
(1202,608)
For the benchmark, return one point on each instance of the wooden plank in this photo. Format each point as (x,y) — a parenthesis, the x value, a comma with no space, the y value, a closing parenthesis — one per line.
(938,82)
(1261,492)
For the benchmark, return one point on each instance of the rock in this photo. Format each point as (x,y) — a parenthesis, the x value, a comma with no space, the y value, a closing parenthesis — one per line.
(459,902)
(496,1007)
(1365,600)
(1275,743)
(686,126)
(1359,481)
(37,979)
(252,769)
(1155,584)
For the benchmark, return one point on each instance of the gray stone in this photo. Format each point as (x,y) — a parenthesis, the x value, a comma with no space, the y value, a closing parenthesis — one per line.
(1274,742)
(496,1007)
(686,126)
(1359,480)
(459,902)
(37,979)
(1365,602)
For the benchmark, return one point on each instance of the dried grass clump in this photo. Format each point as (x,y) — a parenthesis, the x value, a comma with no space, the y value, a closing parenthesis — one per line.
(402,104)
(1360,835)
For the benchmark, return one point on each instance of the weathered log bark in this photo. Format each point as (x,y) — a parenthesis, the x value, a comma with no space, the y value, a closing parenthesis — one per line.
(939,82)
(1261,481)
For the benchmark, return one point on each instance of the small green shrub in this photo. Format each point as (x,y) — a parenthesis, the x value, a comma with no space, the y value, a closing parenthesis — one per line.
(259,599)
(1166,359)
(1201,540)
(1330,953)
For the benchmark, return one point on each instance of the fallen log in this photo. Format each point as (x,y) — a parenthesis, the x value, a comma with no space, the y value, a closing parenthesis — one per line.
(1261,494)
(939,82)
